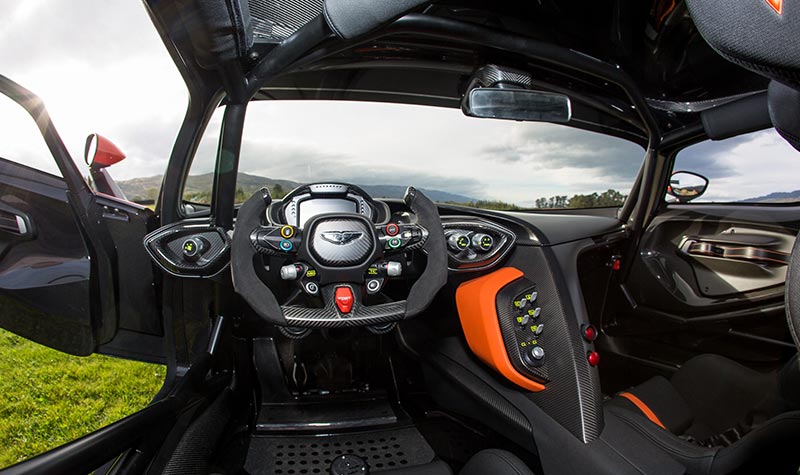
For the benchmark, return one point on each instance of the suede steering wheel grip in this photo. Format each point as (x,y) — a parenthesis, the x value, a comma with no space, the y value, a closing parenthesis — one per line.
(243,272)
(434,277)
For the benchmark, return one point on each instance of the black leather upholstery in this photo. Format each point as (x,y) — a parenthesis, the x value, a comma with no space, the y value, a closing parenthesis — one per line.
(486,462)
(496,462)
(437,467)
(709,399)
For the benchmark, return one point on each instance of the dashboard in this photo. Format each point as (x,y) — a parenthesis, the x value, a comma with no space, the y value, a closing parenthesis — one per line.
(330,255)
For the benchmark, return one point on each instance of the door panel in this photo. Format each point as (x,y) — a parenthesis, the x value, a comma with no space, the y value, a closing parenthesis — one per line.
(45,272)
(707,279)
(74,274)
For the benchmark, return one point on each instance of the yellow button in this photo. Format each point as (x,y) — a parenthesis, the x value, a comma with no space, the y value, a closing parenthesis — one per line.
(287,232)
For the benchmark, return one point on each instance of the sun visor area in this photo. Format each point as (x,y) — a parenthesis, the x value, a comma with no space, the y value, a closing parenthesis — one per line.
(220,31)
(758,35)
(738,117)
(352,18)
(276,20)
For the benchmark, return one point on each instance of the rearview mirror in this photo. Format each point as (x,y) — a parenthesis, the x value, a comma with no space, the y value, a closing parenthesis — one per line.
(686,186)
(101,152)
(517,104)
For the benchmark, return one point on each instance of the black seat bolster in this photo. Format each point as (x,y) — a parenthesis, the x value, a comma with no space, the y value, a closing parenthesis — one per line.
(722,393)
(496,462)
(665,402)
(437,467)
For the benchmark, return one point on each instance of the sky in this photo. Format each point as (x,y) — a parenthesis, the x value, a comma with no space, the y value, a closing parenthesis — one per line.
(101,68)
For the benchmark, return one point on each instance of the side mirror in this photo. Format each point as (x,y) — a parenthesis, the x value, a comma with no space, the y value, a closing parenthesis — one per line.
(686,186)
(498,92)
(101,152)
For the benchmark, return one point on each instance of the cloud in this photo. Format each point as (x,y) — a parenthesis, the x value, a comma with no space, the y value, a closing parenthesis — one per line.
(556,147)
(99,32)
(306,163)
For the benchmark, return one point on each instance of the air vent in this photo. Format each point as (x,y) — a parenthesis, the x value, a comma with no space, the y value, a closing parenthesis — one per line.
(10,222)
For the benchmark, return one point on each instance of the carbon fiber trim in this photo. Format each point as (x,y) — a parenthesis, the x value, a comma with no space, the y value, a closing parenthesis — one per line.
(573,396)
(330,317)
(479,390)
(341,242)
(491,75)
(276,20)
(165,248)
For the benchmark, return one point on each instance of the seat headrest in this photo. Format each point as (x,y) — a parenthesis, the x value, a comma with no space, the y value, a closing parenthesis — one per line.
(759,35)
(784,112)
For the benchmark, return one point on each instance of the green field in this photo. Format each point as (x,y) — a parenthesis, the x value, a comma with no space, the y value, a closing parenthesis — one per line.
(48,398)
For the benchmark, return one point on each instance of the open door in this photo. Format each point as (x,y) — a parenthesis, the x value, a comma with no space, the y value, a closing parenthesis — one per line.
(74,274)
(709,274)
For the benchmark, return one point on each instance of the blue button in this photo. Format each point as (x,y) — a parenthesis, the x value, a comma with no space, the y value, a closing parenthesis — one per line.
(286,245)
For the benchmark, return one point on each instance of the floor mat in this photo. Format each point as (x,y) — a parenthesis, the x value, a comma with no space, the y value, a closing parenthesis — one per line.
(301,455)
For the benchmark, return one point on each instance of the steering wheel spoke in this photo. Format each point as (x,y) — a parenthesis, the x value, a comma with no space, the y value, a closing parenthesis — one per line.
(276,240)
(401,237)
(344,306)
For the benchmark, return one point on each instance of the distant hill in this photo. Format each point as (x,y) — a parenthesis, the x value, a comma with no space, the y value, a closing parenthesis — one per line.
(138,189)
(777,197)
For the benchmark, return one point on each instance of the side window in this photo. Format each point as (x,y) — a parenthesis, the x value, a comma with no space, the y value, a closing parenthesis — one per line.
(200,183)
(759,167)
(20,140)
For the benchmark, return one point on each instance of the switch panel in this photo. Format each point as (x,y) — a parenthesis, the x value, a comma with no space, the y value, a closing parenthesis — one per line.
(523,325)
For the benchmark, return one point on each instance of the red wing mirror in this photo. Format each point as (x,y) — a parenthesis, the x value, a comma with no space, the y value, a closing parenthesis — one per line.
(101,152)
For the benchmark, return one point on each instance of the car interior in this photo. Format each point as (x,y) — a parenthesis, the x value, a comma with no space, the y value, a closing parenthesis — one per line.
(330,331)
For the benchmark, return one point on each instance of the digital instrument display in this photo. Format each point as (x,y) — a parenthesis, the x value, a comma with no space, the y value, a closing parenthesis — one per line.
(313,207)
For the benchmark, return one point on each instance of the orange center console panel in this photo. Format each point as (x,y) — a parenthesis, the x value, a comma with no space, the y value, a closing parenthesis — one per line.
(501,321)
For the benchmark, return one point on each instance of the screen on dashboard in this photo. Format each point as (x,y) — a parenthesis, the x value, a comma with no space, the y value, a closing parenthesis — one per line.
(310,208)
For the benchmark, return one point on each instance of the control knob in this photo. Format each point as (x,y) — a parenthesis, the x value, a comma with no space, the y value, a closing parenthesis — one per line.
(482,242)
(458,241)
(193,247)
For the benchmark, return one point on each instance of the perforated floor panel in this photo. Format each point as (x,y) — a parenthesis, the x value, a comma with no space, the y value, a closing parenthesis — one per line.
(301,455)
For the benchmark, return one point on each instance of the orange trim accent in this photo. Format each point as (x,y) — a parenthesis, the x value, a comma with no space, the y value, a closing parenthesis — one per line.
(644,408)
(776,5)
(476,302)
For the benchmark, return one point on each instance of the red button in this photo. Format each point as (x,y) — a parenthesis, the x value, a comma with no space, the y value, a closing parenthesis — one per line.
(594,358)
(344,299)
(392,229)
(589,332)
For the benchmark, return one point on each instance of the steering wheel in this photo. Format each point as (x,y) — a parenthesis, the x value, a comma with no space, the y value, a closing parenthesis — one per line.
(339,257)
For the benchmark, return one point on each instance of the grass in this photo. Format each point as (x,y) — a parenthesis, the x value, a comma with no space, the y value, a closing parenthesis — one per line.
(48,398)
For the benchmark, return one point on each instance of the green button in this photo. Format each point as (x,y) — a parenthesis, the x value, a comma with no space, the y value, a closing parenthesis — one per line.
(311,273)
(394,243)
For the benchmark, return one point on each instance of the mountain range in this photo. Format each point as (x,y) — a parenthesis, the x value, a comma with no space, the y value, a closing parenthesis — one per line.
(777,197)
(138,189)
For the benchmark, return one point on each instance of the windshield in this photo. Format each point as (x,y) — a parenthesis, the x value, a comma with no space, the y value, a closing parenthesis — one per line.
(383,148)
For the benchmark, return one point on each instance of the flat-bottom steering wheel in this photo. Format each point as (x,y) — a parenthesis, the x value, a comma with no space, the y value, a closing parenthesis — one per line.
(337,253)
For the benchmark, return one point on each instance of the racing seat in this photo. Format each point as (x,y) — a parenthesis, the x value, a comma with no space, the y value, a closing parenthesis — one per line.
(715,415)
